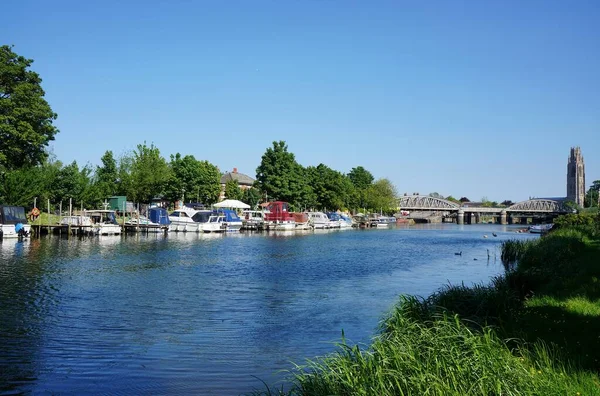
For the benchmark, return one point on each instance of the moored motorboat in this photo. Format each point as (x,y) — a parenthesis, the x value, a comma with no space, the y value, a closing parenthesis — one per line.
(278,217)
(232,221)
(301,221)
(541,228)
(189,220)
(253,219)
(104,221)
(215,223)
(319,220)
(13,222)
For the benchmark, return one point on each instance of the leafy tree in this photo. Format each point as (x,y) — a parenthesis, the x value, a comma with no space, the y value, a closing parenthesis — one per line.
(436,195)
(107,176)
(332,189)
(251,196)
(452,199)
(507,203)
(193,179)
(571,206)
(382,196)
(73,184)
(281,177)
(464,199)
(233,190)
(591,197)
(209,183)
(124,184)
(149,173)
(25,116)
(362,179)
(22,185)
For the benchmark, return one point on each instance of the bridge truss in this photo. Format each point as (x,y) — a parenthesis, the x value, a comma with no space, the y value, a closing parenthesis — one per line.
(538,206)
(423,202)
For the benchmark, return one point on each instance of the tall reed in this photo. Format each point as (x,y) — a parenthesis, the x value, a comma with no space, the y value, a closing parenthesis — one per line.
(440,356)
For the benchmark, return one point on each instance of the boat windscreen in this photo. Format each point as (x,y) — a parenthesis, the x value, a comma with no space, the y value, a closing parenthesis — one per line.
(13,215)
(201,217)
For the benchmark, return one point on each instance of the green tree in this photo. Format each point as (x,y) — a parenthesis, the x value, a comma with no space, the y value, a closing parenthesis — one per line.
(382,196)
(209,183)
(591,197)
(193,180)
(332,189)
(25,116)
(124,184)
(107,176)
(22,185)
(251,196)
(73,184)
(233,190)
(452,199)
(149,173)
(362,179)
(281,177)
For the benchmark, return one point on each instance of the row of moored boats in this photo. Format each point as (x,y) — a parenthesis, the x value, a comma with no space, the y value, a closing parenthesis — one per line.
(274,217)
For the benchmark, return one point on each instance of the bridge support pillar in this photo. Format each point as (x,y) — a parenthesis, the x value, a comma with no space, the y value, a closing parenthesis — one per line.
(503,219)
(461,217)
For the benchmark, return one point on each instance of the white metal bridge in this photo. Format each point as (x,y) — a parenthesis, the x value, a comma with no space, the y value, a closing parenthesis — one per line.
(426,203)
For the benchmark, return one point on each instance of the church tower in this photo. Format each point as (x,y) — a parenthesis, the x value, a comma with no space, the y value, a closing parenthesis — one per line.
(576,177)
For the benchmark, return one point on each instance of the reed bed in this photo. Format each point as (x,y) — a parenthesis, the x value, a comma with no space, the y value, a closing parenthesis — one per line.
(440,356)
(512,251)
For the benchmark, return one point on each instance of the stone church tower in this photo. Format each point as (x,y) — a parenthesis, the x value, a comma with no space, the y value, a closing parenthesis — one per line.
(576,177)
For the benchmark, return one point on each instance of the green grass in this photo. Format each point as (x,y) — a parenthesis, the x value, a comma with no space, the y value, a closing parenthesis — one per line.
(45,219)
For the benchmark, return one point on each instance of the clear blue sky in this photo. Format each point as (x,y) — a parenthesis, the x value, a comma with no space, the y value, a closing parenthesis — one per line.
(472,98)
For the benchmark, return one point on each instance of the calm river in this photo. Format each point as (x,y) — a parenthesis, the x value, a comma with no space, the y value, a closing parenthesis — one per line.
(209,315)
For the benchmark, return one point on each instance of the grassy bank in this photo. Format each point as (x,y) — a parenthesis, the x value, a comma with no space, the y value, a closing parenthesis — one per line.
(535,330)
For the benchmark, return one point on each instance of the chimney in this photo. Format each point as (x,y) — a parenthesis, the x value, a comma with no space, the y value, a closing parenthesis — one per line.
(234,170)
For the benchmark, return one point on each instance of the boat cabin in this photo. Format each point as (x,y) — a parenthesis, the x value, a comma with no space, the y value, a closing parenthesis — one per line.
(13,222)
(12,215)
(102,216)
(278,211)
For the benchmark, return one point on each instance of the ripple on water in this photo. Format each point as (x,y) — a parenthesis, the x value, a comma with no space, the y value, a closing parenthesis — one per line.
(196,314)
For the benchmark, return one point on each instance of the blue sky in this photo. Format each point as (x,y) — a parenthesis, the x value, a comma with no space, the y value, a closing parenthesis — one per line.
(468,98)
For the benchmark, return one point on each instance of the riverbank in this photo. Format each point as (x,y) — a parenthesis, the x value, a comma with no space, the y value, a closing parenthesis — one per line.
(532,331)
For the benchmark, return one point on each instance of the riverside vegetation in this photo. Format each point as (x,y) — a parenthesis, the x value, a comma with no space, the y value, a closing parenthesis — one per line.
(535,331)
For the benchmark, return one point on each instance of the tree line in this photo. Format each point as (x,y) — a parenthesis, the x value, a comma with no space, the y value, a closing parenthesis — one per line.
(144,175)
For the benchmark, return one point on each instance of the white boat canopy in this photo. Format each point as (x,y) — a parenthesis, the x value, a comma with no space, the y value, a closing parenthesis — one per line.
(232,203)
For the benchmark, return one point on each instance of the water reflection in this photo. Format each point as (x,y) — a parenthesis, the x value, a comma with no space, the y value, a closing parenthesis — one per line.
(202,313)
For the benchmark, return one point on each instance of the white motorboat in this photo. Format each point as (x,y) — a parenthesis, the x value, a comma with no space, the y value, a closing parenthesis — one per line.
(13,222)
(233,223)
(104,221)
(318,220)
(253,219)
(380,222)
(215,223)
(541,228)
(189,220)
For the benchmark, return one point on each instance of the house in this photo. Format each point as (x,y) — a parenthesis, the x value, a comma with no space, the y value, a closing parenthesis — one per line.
(244,181)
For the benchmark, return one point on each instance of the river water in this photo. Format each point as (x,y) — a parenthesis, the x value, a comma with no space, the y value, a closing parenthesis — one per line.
(205,314)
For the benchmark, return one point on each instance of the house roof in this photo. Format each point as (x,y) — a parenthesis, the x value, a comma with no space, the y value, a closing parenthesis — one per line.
(241,178)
